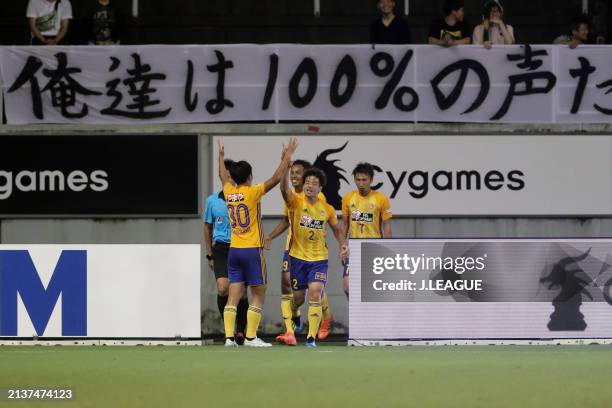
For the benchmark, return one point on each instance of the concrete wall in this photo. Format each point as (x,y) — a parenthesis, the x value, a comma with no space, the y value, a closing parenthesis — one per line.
(189,231)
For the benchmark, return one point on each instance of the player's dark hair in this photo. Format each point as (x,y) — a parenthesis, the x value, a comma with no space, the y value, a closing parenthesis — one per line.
(240,171)
(578,21)
(304,163)
(315,172)
(364,168)
(228,164)
(452,5)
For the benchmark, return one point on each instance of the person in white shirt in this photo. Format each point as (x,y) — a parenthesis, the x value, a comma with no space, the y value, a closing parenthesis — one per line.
(493,30)
(48,20)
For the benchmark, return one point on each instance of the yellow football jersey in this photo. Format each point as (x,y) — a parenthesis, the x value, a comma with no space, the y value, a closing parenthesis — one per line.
(243,208)
(309,227)
(286,212)
(365,214)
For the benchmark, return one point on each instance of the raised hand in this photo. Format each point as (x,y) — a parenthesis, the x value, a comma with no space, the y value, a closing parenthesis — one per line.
(284,152)
(221,149)
(292,146)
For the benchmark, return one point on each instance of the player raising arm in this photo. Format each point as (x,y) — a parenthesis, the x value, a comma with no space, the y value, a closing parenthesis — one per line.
(308,254)
(290,313)
(246,264)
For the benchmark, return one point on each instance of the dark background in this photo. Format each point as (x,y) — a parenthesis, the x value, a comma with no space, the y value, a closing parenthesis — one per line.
(148,175)
(284,21)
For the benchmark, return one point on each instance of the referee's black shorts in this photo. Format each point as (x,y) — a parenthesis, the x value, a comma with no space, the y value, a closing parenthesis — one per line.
(220,252)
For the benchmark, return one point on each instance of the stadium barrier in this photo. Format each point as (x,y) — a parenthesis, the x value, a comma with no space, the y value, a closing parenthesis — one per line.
(466,175)
(480,291)
(100,294)
(63,229)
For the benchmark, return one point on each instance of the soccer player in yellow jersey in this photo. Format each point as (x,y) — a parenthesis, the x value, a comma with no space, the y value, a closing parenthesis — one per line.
(366,213)
(246,264)
(289,311)
(308,254)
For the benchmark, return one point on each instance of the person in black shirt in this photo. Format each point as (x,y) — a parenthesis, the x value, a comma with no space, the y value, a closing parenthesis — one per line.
(104,23)
(389,29)
(451,30)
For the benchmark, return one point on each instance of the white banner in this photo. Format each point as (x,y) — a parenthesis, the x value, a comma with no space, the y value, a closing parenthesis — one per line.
(451,175)
(218,83)
(100,291)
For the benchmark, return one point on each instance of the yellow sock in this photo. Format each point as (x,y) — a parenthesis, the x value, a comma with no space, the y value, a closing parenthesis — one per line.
(314,318)
(253,319)
(327,314)
(286,301)
(229,320)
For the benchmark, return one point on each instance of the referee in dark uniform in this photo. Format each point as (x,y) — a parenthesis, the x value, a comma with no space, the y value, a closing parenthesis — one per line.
(217,240)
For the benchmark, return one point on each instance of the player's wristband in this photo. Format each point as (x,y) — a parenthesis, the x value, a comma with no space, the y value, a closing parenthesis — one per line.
(209,257)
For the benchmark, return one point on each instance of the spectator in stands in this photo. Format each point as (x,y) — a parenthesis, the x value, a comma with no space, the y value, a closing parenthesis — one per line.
(493,30)
(452,29)
(579,33)
(389,28)
(104,23)
(48,20)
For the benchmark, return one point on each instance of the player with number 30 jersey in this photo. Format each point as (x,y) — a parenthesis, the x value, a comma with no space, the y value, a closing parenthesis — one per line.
(245,263)
(243,208)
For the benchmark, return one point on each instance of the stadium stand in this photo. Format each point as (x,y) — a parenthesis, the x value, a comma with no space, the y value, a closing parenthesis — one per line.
(286,21)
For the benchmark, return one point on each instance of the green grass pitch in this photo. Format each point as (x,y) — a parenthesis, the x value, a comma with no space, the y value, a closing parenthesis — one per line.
(329,376)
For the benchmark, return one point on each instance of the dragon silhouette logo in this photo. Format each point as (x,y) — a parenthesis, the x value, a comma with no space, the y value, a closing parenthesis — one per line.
(571,279)
(334,175)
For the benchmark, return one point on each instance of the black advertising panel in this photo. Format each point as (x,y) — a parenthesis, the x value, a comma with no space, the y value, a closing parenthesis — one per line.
(118,176)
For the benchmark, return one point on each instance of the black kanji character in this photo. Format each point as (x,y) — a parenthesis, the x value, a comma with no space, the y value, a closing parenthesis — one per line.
(62,85)
(528,78)
(139,84)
